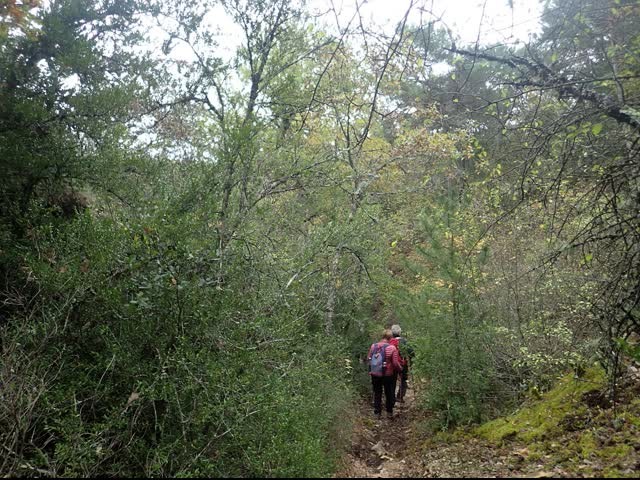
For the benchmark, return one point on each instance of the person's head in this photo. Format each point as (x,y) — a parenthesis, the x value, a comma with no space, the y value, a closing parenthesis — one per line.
(387,334)
(396,330)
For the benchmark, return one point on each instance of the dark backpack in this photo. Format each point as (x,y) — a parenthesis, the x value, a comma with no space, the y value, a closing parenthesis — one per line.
(377,362)
(405,351)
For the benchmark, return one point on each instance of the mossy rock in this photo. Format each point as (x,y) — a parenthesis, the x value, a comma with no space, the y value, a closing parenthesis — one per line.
(547,416)
(574,426)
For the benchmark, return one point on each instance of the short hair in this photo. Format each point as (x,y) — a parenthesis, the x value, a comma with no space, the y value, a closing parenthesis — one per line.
(387,334)
(396,330)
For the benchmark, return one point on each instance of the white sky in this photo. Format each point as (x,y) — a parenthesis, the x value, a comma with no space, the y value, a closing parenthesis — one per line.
(495,19)
(490,21)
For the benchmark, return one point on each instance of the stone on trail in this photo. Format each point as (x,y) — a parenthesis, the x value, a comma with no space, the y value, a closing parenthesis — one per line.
(379,448)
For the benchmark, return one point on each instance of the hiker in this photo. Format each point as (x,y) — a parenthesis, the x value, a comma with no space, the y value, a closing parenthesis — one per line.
(406,353)
(384,365)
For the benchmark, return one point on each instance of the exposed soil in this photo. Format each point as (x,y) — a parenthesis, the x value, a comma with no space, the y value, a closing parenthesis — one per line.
(396,449)
(400,447)
(382,448)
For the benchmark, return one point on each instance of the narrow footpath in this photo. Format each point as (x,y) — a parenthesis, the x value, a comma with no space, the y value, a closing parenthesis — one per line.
(399,447)
(383,449)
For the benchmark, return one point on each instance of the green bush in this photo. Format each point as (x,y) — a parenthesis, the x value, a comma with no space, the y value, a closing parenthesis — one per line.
(460,385)
(128,360)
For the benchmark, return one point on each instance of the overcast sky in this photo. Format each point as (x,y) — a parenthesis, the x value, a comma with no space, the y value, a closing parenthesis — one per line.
(494,19)
(490,21)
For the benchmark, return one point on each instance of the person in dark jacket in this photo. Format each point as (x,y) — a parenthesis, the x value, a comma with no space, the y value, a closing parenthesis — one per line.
(405,359)
(384,379)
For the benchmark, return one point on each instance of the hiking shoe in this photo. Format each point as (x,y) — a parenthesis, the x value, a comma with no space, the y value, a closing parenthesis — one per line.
(390,415)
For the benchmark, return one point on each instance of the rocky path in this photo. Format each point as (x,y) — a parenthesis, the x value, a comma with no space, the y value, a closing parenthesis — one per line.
(383,449)
(399,448)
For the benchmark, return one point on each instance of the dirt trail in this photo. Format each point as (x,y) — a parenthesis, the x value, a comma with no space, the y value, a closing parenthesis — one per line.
(381,448)
(396,448)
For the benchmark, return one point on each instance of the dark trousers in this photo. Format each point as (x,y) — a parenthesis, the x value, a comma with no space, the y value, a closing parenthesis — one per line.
(389,386)
(404,376)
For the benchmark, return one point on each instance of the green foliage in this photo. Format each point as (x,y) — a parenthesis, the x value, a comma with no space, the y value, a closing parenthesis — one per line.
(153,372)
(630,349)
(194,252)
(460,385)
(451,339)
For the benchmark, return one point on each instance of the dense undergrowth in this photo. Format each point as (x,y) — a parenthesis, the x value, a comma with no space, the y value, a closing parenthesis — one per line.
(120,360)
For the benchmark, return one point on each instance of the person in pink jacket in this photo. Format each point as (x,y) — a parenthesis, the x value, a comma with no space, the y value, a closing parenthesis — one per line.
(384,365)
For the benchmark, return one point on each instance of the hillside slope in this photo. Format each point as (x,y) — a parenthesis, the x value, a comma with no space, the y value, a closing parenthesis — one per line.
(570,431)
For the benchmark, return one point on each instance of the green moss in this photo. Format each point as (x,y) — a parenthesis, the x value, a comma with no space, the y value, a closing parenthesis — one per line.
(615,452)
(631,415)
(569,427)
(587,445)
(616,473)
(453,436)
(564,428)
(369,422)
(498,430)
(543,418)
